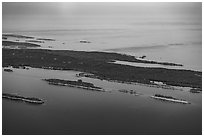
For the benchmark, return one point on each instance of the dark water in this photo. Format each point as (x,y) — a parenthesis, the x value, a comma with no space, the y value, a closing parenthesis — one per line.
(77,111)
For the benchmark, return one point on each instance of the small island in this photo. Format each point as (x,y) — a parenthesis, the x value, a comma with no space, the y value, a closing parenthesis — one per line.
(78,84)
(8,70)
(45,39)
(195,90)
(84,41)
(169,98)
(21,98)
(35,41)
(131,92)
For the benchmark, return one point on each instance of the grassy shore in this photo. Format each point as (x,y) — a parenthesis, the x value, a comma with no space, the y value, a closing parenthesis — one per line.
(98,64)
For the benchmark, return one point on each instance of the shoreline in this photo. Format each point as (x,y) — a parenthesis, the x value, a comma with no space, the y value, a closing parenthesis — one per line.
(97,63)
(151,84)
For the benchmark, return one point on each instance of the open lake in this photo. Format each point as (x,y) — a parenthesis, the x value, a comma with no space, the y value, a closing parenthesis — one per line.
(76,111)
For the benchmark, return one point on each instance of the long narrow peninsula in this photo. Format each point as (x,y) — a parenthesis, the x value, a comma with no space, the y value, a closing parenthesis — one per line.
(169,99)
(98,64)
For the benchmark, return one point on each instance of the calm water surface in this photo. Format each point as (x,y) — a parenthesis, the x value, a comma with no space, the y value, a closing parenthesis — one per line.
(166,42)
(76,111)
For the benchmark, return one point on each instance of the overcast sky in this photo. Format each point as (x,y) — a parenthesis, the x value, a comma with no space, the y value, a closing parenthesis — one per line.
(33,16)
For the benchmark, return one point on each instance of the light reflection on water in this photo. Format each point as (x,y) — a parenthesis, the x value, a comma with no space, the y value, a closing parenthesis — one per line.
(190,56)
(76,111)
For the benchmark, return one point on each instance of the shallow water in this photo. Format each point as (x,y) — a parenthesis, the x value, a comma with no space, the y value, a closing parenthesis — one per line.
(76,111)
(190,56)
(161,41)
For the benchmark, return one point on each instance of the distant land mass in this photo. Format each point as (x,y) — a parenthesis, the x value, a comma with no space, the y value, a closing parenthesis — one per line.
(19,44)
(99,64)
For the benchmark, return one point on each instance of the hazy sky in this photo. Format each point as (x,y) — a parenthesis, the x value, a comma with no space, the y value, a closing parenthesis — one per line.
(36,16)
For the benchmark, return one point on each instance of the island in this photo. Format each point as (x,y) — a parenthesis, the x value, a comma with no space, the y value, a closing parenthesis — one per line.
(78,84)
(45,39)
(169,98)
(84,41)
(195,90)
(98,65)
(21,98)
(8,70)
(131,92)
(35,41)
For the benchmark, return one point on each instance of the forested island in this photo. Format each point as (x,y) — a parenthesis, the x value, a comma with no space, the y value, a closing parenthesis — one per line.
(22,98)
(8,70)
(78,84)
(98,64)
(169,98)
